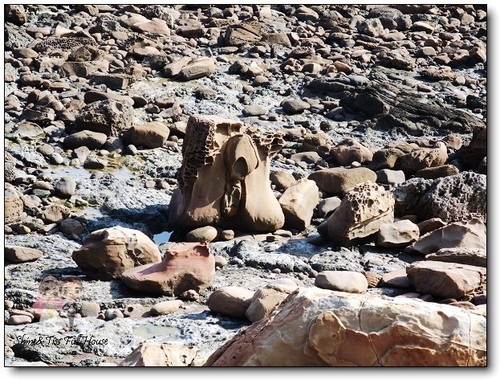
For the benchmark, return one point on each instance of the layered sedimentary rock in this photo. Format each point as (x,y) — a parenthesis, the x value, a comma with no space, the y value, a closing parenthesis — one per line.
(224,179)
(318,327)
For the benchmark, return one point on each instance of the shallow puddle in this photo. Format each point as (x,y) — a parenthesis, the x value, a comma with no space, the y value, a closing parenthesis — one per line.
(149,331)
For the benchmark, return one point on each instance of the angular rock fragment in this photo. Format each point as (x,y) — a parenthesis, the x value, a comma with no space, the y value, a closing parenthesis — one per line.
(160,355)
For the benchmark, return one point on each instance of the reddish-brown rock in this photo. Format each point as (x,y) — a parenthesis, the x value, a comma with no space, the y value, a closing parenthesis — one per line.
(187,266)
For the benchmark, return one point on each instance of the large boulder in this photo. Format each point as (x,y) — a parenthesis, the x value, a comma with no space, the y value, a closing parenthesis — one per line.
(187,266)
(451,198)
(107,253)
(360,214)
(319,327)
(224,177)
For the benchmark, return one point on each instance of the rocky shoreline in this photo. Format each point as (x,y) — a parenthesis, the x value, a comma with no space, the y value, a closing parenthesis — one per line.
(369,107)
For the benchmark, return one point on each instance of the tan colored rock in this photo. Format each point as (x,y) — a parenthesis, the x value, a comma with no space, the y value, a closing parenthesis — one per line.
(319,327)
(398,234)
(338,181)
(344,281)
(266,299)
(361,213)
(106,253)
(166,307)
(154,26)
(17,254)
(348,150)
(437,172)
(460,255)
(187,266)
(197,68)
(230,301)
(430,225)
(283,179)
(298,203)
(327,205)
(467,234)
(202,234)
(55,213)
(160,355)
(150,135)
(13,205)
(243,33)
(396,278)
(224,180)
(445,280)
(423,158)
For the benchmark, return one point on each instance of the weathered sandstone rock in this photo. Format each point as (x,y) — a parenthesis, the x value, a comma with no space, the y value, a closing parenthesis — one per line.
(361,213)
(224,178)
(266,299)
(18,254)
(451,198)
(187,266)
(445,280)
(398,234)
(150,135)
(298,203)
(318,327)
(349,150)
(465,234)
(460,255)
(338,181)
(344,281)
(231,301)
(160,355)
(107,253)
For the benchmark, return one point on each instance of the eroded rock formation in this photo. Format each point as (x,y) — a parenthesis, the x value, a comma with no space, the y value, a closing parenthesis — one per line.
(224,179)
(318,327)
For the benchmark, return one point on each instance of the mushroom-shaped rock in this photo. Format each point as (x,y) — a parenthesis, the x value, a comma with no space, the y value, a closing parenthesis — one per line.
(187,266)
(319,327)
(107,253)
(224,177)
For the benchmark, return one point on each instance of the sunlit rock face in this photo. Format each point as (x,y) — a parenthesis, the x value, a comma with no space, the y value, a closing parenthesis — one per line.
(224,178)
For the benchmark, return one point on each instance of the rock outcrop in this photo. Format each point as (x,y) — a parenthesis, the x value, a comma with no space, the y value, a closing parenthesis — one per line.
(318,327)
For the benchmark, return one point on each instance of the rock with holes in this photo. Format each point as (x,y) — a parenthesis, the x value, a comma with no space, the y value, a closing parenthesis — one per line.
(224,177)
(106,253)
(451,198)
(105,116)
(185,267)
(319,327)
(360,214)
